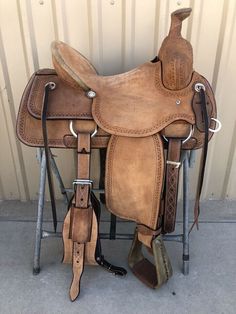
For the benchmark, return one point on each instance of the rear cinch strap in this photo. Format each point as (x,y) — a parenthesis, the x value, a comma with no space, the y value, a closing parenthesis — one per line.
(171,185)
(151,275)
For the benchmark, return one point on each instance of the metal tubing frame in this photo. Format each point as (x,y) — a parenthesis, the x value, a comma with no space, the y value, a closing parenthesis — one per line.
(39,224)
(188,160)
(40,233)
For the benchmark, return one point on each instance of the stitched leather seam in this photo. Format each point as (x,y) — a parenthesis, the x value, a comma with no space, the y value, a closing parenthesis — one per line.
(109,162)
(111,151)
(164,122)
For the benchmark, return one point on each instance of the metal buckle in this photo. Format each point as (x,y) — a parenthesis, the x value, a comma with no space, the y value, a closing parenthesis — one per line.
(177,164)
(83,182)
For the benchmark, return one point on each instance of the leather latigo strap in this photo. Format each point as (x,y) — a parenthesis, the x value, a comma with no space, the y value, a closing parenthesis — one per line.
(77,269)
(171,184)
(90,247)
(81,212)
(83,242)
(89,253)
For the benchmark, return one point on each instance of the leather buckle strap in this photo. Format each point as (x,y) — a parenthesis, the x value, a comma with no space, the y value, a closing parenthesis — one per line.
(81,210)
(82,189)
(82,184)
(171,186)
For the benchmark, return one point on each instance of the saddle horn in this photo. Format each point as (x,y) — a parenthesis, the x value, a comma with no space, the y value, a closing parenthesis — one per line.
(176,54)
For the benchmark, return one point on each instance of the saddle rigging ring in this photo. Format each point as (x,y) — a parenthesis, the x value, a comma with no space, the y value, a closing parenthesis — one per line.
(187,138)
(218,127)
(75,135)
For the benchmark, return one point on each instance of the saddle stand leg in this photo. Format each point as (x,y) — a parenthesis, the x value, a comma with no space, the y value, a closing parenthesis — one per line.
(38,237)
(40,233)
(186,214)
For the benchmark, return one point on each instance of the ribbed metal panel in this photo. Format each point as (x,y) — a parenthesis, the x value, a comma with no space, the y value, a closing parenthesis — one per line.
(116,35)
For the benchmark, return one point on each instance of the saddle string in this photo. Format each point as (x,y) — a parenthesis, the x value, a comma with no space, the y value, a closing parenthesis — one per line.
(203,103)
(47,88)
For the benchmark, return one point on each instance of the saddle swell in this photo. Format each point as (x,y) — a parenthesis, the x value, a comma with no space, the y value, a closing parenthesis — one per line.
(158,106)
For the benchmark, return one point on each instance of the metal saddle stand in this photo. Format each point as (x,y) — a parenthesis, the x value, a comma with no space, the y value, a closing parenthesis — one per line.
(188,159)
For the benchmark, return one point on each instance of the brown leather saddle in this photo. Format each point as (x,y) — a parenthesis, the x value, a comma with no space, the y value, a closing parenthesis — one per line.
(162,105)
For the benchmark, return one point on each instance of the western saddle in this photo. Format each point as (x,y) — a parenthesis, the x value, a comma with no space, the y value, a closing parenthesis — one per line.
(145,118)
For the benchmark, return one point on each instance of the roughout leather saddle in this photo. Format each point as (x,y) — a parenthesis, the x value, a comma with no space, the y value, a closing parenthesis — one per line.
(162,105)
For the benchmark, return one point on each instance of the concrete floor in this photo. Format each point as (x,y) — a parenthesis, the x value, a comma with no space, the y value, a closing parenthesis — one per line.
(210,286)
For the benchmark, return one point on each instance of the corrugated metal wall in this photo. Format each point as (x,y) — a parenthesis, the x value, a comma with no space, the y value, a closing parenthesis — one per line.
(115,35)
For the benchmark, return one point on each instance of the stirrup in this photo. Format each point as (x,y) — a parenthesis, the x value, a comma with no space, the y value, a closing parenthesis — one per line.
(162,262)
(154,276)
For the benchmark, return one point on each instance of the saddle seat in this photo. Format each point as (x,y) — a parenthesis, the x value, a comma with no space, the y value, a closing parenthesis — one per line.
(134,103)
